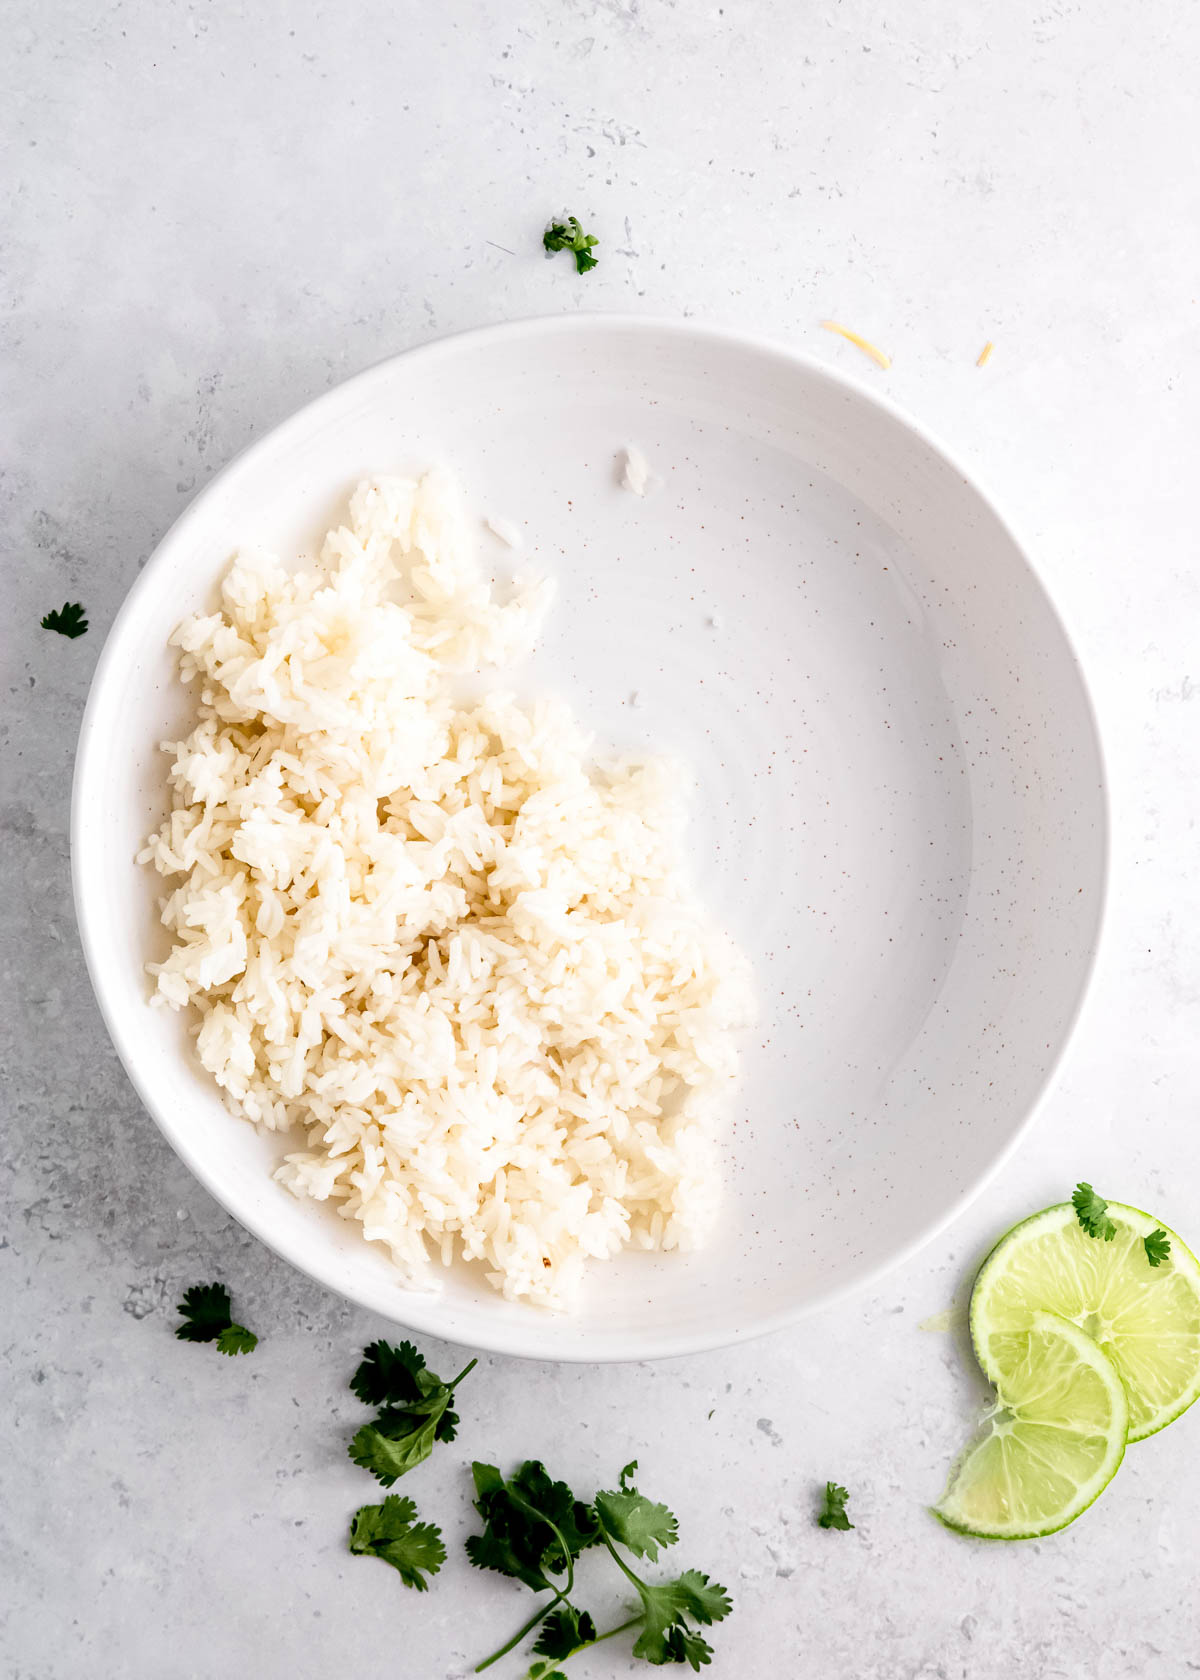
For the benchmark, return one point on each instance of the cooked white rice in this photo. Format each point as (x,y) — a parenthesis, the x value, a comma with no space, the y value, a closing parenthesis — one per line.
(635,475)
(509,534)
(437,939)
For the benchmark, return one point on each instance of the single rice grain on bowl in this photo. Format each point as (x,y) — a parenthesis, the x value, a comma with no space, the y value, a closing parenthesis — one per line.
(440,943)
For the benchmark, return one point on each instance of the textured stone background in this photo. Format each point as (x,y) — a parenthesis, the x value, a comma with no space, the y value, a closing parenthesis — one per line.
(212,212)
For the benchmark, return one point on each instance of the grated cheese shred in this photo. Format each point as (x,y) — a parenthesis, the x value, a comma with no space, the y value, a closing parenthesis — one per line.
(878,356)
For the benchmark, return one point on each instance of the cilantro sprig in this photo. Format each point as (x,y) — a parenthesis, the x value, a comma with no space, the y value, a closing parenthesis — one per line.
(413,1410)
(569,236)
(535,1530)
(68,620)
(1091,1211)
(207,1317)
(391,1532)
(833,1512)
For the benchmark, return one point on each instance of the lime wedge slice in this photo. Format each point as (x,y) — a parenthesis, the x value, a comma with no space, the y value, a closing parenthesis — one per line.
(1146,1318)
(1052,1444)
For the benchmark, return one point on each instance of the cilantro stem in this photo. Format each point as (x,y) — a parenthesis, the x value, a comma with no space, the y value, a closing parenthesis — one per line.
(538,1616)
(613,1632)
(465,1372)
(618,1560)
(560,1593)
(623,1627)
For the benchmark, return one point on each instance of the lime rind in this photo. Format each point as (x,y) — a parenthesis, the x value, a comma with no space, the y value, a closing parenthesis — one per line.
(1052,1446)
(1146,1319)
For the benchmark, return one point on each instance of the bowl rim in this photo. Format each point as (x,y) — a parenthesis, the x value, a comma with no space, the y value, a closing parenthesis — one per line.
(421,1309)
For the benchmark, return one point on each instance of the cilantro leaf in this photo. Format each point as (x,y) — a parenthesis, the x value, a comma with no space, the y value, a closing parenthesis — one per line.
(503,1545)
(389,1531)
(206,1308)
(235,1338)
(414,1410)
(490,1550)
(555,1503)
(569,236)
(1091,1211)
(833,1513)
(68,620)
(396,1442)
(533,1526)
(421,1549)
(545,1671)
(447,1426)
(564,1632)
(704,1600)
(206,1312)
(1157,1246)
(685,1646)
(637,1522)
(388,1375)
(666,1605)
(662,1608)
(373,1523)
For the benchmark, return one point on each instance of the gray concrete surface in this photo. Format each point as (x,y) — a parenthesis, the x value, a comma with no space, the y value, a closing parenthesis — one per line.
(209,214)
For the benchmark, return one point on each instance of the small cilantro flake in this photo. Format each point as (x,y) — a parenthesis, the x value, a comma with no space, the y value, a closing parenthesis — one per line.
(569,236)
(68,620)
(1157,1246)
(833,1512)
(207,1318)
(1091,1211)
(390,1532)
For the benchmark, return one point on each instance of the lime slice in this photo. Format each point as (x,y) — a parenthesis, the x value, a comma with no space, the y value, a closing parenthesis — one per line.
(1053,1442)
(1146,1318)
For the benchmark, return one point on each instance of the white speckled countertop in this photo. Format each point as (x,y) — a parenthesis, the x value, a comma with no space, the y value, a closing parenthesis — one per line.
(211,213)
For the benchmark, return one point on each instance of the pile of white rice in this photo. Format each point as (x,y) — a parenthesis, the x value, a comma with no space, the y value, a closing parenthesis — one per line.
(440,941)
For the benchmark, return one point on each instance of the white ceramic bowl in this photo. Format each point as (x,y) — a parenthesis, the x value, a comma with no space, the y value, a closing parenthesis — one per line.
(901,811)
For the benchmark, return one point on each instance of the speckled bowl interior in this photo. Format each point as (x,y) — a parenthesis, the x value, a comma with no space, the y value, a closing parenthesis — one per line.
(899,808)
